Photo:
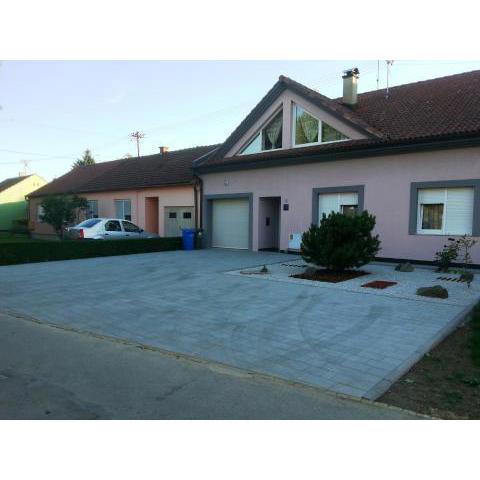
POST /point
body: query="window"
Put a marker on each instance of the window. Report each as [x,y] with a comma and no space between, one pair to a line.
[130,227]
[445,211]
[123,209]
[345,202]
[92,210]
[113,226]
[187,214]
[40,212]
[89,223]
[269,138]
[172,215]
[349,210]
[309,130]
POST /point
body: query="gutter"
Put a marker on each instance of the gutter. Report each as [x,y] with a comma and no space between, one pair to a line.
[361,152]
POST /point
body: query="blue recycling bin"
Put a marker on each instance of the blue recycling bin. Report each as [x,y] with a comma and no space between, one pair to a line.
[188,238]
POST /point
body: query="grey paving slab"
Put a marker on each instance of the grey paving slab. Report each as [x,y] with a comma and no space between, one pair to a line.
[190,302]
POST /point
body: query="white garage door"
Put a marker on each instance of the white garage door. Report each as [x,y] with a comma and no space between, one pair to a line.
[230,223]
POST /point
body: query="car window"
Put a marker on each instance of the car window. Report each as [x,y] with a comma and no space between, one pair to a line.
[113,226]
[130,227]
[89,223]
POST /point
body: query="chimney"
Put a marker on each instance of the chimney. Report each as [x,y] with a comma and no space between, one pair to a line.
[163,150]
[350,78]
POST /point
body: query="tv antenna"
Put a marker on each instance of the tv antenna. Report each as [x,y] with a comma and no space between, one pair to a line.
[389,64]
[25,167]
[137,136]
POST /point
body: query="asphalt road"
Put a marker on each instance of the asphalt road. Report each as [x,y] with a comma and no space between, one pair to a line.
[51,373]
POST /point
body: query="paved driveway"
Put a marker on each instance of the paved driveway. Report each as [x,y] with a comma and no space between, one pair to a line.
[185,302]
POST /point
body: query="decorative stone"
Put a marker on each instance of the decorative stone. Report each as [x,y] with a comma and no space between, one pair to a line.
[404,267]
[435,292]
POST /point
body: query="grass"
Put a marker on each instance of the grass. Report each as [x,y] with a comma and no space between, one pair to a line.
[30,251]
[475,340]
[446,382]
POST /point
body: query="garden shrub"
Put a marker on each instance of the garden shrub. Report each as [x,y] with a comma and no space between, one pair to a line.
[43,251]
[341,241]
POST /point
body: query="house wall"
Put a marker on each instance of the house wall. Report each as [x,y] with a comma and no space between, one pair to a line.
[387,182]
[174,196]
[12,200]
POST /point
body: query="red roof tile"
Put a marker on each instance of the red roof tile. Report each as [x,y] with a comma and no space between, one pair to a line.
[437,109]
[132,173]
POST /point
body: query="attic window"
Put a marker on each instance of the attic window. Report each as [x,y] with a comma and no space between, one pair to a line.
[269,138]
[309,130]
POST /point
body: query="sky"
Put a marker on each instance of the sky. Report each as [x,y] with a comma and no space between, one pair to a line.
[51,111]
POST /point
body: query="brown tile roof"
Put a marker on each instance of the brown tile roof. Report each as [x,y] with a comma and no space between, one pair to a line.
[131,173]
[10,182]
[431,110]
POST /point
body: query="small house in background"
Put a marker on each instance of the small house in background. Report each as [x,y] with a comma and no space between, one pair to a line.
[13,205]
[158,192]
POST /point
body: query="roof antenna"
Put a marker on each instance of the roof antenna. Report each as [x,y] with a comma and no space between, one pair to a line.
[378,74]
[25,163]
[389,64]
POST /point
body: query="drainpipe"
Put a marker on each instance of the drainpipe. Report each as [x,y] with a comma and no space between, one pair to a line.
[198,188]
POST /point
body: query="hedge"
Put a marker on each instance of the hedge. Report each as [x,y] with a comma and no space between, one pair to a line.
[41,251]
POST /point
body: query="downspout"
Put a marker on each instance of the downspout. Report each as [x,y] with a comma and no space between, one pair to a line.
[198,189]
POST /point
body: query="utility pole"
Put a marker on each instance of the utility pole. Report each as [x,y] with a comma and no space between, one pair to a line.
[137,136]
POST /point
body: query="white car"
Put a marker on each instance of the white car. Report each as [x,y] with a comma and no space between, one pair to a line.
[107,229]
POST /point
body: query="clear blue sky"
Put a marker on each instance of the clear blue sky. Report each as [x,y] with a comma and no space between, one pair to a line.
[50,112]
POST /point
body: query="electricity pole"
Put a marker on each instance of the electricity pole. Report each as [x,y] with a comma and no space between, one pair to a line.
[137,136]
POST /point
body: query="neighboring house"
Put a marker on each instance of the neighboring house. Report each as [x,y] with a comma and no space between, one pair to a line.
[157,192]
[410,156]
[13,205]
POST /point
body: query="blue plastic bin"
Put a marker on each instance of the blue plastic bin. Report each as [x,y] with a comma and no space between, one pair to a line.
[188,238]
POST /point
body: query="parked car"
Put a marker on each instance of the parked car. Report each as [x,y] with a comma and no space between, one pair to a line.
[107,229]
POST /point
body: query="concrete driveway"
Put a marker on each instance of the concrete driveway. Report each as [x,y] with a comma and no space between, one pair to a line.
[185,302]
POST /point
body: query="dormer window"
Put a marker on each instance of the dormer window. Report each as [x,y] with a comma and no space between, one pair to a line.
[269,138]
[309,130]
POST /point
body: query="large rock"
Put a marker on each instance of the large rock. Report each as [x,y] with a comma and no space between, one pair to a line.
[404,267]
[435,292]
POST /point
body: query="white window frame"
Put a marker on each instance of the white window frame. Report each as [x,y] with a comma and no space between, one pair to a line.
[40,211]
[320,123]
[89,211]
[259,131]
[123,200]
[339,204]
[443,230]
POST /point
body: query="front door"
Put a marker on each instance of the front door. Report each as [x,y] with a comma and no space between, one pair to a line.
[177,218]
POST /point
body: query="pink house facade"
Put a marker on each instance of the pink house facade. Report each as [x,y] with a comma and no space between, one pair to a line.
[416,168]
[159,193]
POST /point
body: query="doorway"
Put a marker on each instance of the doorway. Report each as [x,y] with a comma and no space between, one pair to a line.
[151,214]
[269,223]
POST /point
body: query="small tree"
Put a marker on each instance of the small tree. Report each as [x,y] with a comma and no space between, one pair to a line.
[341,241]
[447,255]
[86,159]
[61,210]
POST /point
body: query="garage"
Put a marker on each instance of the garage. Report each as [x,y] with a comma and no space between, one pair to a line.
[230,223]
